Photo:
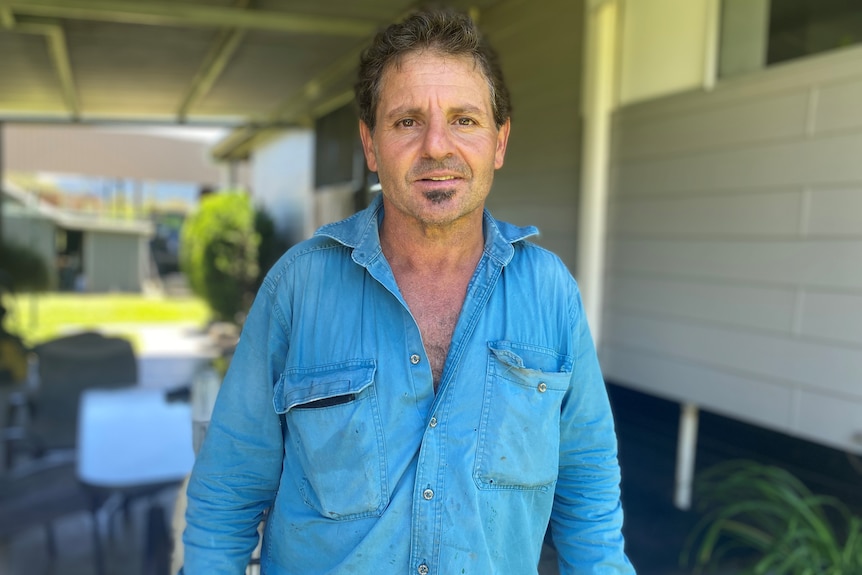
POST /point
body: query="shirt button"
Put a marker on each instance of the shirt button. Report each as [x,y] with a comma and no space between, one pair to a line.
[433,422]
[422,569]
[542,387]
[428,494]
[414,359]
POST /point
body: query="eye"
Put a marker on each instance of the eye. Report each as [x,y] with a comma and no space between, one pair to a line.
[466,122]
[406,123]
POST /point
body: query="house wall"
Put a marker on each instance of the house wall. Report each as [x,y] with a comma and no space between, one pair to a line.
[108,153]
[282,181]
[540,44]
[666,46]
[114,262]
[734,273]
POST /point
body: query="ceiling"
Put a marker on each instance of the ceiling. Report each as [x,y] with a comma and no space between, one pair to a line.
[256,65]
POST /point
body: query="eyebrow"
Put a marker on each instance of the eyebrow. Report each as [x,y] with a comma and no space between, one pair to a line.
[415,111]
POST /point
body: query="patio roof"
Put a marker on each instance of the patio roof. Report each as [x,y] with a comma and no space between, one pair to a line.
[256,65]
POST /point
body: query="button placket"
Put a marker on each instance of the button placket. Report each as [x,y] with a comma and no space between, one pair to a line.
[415,359]
[422,569]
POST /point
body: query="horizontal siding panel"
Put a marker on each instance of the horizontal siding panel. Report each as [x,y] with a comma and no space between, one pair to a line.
[557,150]
[836,211]
[766,214]
[835,316]
[839,107]
[553,215]
[832,160]
[778,116]
[831,420]
[548,189]
[744,398]
[753,307]
[805,363]
[829,264]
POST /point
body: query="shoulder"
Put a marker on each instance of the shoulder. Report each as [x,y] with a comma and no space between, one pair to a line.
[301,258]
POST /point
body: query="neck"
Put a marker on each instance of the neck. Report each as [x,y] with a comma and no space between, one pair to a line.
[432,249]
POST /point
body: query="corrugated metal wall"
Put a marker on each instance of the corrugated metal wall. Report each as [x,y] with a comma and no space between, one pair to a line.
[735,254]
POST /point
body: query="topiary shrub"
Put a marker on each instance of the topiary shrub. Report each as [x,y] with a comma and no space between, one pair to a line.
[219,253]
[22,268]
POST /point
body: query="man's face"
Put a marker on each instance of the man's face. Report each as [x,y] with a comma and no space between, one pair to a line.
[435,146]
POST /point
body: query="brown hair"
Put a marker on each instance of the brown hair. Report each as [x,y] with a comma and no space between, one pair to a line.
[441,30]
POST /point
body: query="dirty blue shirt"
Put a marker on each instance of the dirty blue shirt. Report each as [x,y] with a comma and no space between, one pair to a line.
[328,419]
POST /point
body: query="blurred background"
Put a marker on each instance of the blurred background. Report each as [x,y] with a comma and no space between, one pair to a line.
[696,164]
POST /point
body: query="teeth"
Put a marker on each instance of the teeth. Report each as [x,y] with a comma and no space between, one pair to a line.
[441,178]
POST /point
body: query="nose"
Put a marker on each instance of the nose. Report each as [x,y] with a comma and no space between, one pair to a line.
[437,142]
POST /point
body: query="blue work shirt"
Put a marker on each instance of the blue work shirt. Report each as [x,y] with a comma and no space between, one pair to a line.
[328,418]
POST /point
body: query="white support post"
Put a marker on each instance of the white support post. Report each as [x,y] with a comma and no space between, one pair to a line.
[686,449]
[598,101]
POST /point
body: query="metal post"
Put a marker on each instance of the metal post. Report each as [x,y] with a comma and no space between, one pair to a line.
[686,449]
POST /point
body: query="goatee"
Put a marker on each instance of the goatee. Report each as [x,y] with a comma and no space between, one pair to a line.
[439,196]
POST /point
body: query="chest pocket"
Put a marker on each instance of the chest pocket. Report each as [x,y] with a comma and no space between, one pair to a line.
[333,424]
[519,433]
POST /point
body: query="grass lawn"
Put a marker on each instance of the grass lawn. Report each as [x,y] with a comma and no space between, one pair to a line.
[39,317]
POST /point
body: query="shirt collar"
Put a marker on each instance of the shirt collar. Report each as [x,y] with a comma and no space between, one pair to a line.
[360,232]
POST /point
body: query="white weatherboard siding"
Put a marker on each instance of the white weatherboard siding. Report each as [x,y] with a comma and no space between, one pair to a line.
[540,51]
[734,273]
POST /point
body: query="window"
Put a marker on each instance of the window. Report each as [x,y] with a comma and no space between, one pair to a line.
[760,33]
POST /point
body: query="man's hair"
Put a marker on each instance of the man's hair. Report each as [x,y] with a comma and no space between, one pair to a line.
[443,31]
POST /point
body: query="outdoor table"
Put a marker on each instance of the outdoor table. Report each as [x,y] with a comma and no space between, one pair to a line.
[131,441]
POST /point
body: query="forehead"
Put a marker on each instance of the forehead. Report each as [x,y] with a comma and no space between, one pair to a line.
[420,71]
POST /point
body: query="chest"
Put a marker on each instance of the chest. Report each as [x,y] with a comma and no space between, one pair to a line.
[435,304]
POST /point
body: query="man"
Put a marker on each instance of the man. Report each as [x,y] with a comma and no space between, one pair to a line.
[415,389]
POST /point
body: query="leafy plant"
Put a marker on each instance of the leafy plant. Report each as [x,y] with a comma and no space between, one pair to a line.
[219,253]
[770,514]
[22,268]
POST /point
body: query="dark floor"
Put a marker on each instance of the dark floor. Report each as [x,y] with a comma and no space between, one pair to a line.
[647,428]
[655,531]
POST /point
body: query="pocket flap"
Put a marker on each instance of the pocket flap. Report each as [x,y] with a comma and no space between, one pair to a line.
[527,364]
[302,385]
[531,357]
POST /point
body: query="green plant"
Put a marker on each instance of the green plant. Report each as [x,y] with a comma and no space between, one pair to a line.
[219,253]
[272,246]
[779,525]
[23,268]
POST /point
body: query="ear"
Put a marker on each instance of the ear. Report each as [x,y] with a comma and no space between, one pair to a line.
[368,145]
[502,140]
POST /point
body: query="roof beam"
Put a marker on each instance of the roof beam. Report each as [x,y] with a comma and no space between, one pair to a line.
[182,14]
[55,37]
[299,109]
[7,18]
[219,55]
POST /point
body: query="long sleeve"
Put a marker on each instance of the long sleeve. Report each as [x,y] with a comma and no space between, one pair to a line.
[587,517]
[236,474]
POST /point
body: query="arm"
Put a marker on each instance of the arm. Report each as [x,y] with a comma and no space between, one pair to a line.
[587,518]
[237,472]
